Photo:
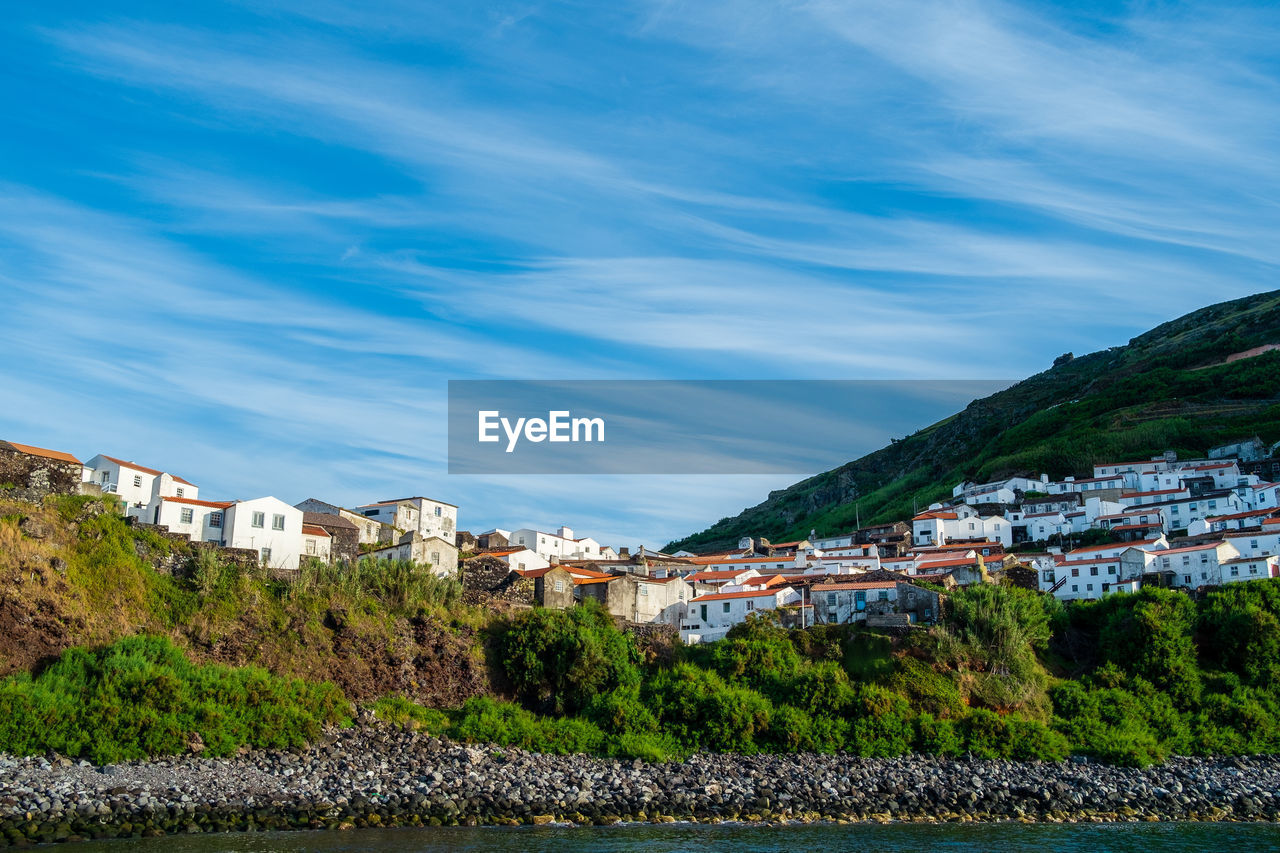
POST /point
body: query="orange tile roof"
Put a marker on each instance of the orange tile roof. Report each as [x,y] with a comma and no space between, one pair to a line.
[750,593]
[124,463]
[31,450]
[958,561]
[830,587]
[720,574]
[1120,545]
[312,530]
[1204,546]
[1253,513]
[194,502]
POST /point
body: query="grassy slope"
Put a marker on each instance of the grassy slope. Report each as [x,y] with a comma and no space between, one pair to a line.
[82,578]
[1130,401]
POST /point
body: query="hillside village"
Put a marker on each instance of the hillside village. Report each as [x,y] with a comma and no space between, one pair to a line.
[1184,524]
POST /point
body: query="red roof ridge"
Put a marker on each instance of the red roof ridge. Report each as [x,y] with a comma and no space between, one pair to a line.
[32,450]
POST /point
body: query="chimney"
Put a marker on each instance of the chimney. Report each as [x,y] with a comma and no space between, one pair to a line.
[565,532]
[624,553]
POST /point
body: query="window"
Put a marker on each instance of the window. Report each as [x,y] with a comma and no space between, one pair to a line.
[370,512]
[726,607]
[1089,587]
[1093,570]
[559,586]
[435,558]
[187,515]
[311,547]
[215,519]
[1186,579]
[266,555]
[831,599]
[1075,587]
[277,522]
[181,492]
[1075,573]
[1111,570]
[1253,570]
[1235,571]
[438,512]
[259,519]
[704,613]
[106,475]
[644,589]
[137,480]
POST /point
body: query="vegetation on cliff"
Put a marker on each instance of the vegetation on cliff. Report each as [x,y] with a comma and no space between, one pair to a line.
[74,573]
[1167,389]
[1129,680]
[1010,673]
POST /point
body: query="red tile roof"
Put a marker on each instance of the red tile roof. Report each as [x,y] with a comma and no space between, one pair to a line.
[31,450]
[750,593]
[312,530]
[194,502]
[124,463]
[833,587]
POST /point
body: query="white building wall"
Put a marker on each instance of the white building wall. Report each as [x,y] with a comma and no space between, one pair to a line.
[269,526]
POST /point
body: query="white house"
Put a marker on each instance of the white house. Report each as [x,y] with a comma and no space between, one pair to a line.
[841,603]
[434,551]
[661,600]
[266,525]
[136,485]
[560,545]
[1261,541]
[1195,566]
[316,544]
[520,559]
[722,577]
[200,521]
[427,516]
[711,616]
[1250,568]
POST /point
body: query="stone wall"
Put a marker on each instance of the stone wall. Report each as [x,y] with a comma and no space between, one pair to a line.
[178,561]
[31,478]
[487,579]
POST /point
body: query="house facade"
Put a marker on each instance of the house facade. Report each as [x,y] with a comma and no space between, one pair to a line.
[710,617]
[434,551]
[136,485]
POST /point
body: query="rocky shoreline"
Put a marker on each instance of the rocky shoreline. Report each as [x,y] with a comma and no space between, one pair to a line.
[374,775]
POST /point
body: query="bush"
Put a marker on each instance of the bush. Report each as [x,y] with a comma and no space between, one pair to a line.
[400,711]
[559,661]
[485,720]
[1148,635]
[937,737]
[141,697]
[702,711]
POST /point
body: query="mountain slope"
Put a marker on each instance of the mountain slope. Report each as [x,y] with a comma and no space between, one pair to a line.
[1168,388]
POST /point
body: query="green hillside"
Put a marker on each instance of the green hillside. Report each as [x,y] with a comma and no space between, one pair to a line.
[1167,389]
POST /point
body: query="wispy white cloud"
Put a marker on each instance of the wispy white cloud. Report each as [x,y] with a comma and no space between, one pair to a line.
[296,226]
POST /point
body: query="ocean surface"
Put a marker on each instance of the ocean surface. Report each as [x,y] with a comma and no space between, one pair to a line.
[669,838]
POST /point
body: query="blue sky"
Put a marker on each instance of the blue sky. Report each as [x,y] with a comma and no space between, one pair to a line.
[250,242]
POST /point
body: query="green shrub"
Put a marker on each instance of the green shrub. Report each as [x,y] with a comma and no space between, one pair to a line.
[560,660]
[702,711]
[937,737]
[485,720]
[141,697]
[400,711]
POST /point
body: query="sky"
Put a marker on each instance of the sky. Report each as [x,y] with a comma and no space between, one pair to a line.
[251,242]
